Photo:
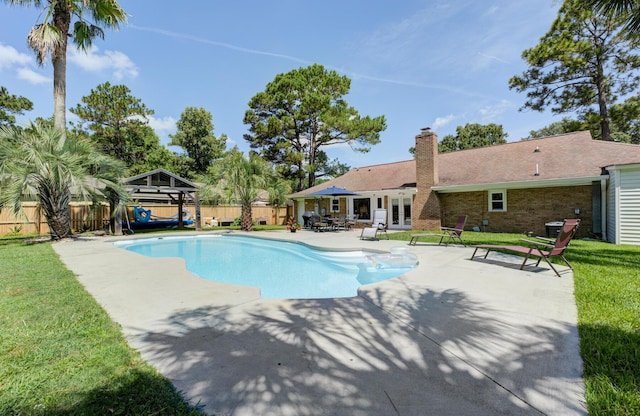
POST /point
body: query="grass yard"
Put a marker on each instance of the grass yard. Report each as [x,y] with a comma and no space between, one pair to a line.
[61,354]
[607,290]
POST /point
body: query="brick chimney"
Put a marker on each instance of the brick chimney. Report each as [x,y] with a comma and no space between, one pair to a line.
[426,207]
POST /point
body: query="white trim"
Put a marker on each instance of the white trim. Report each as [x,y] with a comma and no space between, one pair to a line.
[335,205]
[603,207]
[548,183]
[628,166]
[490,200]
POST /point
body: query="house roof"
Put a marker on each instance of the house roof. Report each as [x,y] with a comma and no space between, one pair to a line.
[565,156]
[372,178]
[556,159]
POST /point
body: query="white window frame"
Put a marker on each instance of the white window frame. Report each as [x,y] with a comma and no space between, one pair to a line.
[335,205]
[503,193]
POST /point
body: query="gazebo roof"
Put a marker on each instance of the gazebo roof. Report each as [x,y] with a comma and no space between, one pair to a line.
[158,184]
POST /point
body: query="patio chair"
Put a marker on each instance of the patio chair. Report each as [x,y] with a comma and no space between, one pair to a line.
[543,249]
[378,225]
[380,222]
[339,223]
[369,233]
[451,234]
[352,220]
[318,223]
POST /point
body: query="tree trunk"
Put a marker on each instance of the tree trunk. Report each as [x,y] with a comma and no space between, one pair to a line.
[60,224]
[198,218]
[246,224]
[61,20]
[602,103]
[56,211]
[301,177]
[604,118]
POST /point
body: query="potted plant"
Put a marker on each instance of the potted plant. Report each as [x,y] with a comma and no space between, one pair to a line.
[293,225]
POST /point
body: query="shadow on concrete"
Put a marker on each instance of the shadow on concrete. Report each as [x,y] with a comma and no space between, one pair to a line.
[428,353]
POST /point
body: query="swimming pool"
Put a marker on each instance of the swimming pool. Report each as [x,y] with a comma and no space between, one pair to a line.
[282,270]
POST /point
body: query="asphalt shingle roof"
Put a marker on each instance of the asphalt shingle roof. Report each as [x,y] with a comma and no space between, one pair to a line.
[565,156]
[372,178]
[572,155]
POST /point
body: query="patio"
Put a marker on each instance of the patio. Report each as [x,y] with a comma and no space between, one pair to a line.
[450,337]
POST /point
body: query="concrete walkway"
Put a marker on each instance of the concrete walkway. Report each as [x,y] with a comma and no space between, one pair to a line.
[451,337]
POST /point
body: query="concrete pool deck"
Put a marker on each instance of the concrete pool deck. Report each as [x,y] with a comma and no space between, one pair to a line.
[450,337]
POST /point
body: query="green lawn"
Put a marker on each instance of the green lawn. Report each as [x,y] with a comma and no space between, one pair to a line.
[61,354]
[59,351]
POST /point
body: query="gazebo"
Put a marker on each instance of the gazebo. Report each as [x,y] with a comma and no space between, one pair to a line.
[162,184]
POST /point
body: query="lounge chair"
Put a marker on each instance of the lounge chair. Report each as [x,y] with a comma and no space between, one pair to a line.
[369,233]
[451,234]
[543,249]
[378,225]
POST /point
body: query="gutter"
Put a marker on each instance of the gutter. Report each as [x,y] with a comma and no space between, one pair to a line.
[545,183]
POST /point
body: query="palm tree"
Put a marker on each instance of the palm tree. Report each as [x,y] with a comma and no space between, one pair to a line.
[40,163]
[50,37]
[242,179]
[628,8]
[278,191]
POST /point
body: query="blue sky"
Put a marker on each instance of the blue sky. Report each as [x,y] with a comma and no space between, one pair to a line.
[439,64]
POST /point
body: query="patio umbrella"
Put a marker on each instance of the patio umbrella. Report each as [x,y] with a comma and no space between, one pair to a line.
[333,191]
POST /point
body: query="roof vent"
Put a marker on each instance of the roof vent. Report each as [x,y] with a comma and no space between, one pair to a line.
[537,150]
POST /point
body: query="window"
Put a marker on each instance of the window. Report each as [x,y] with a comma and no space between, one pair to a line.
[335,205]
[362,207]
[498,201]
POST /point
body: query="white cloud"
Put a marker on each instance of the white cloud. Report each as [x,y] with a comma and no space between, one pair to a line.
[442,121]
[166,124]
[11,59]
[163,127]
[491,112]
[9,56]
[117,62]
[491,10]
[32,76]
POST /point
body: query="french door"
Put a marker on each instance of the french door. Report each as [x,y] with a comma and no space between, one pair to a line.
[400,213]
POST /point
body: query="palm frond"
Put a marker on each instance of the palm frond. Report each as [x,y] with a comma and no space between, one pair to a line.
[44,39]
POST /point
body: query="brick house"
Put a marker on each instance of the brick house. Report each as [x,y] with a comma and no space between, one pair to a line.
[514,187]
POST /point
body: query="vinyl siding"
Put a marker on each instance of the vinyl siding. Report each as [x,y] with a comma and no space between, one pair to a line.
[612,203]
[629,206]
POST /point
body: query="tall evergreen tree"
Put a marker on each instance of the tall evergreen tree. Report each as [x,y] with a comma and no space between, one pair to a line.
[11,105]
[117,121]
[195,136]
[302,112]
[584,61]
[472,135]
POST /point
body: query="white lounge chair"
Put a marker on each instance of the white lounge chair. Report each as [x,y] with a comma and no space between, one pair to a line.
[369,233]
[379,225]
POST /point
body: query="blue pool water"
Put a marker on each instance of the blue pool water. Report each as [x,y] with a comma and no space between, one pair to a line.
[281,270]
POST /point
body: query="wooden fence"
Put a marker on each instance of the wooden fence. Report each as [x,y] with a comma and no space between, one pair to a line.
[85,218]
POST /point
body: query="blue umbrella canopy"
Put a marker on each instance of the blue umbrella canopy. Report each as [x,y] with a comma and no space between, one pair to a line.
[333,191]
